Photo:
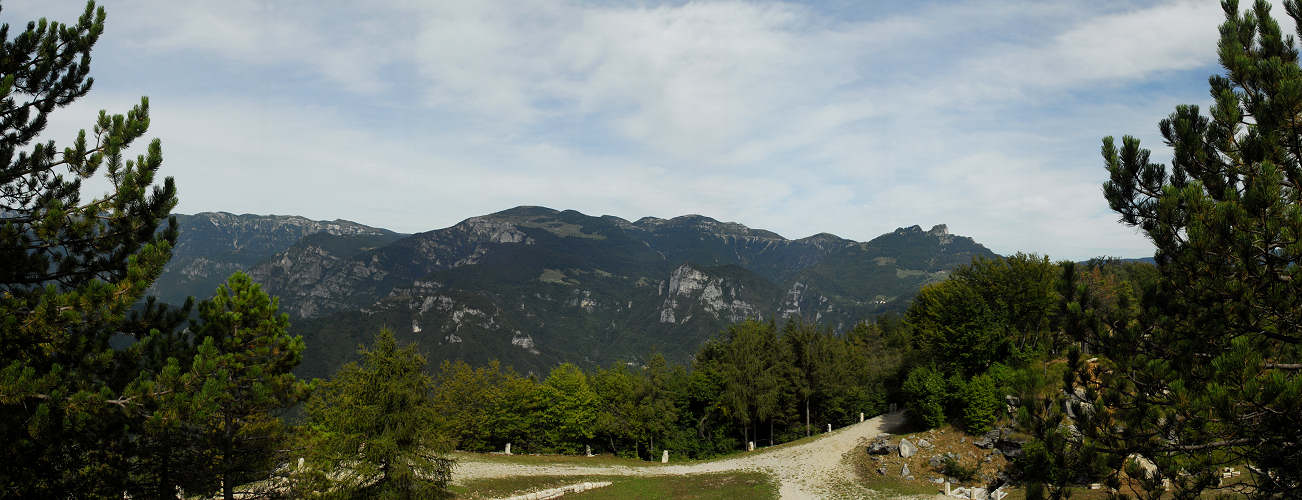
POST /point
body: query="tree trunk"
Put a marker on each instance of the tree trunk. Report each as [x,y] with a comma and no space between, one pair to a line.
[164,476]
[228,449]
[806,416]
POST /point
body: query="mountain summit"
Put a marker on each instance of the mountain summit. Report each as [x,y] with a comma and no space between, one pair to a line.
[533,286]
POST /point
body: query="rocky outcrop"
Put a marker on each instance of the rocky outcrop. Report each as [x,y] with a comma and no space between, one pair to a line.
[690,289]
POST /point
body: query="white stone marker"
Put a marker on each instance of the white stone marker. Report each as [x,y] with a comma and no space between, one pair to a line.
[508,448]
[861,416]
[664,457]
[750,446]
[829,427]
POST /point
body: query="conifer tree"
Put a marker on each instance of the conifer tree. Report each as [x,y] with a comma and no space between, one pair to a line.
[72,267]
[1210,373]
[238,378]
[375,430]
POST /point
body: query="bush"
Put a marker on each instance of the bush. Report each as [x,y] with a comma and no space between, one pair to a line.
[925,394]
[951,467]
[980,404]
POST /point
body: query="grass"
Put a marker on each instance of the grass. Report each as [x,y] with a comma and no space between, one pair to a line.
[724,485]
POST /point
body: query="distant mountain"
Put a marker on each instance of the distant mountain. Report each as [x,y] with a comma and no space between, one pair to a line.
[533,286]
[212,245]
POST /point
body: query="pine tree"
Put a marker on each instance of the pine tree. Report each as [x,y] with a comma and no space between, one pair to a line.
[71,270]
[238,378]
[375,429]
[1211,372]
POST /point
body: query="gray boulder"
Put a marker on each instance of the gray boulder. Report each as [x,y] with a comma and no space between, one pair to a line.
[904,471]
[882,446]
[923,443]
[907,449]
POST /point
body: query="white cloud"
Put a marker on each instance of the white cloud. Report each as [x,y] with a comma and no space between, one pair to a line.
[980,114]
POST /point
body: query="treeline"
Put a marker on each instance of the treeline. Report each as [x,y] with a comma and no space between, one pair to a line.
[757,382]
[963,346]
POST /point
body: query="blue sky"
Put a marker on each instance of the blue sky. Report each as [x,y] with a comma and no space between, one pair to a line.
[798,117]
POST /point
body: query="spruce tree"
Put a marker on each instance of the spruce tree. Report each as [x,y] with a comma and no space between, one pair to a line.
[375,429]
[1210,373]
[72,268]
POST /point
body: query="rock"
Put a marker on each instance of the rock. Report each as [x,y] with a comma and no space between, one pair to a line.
[935,461]
[1010,447]
[923,443]
[937,480]
[907,449]
[904,471]
[882,470]
[1145,465]
[983,443]
[882,446]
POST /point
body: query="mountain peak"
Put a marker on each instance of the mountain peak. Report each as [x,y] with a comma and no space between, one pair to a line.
[524,211]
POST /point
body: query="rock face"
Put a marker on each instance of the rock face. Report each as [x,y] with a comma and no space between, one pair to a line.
[533,286]
[212,245]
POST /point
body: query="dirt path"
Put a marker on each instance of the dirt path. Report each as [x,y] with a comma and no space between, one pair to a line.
[813,469]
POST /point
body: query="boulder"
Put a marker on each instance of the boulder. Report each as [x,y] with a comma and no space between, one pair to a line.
[1146,466]
[904,471]
[1009,446]
[987,440]
[907,449]
[882,446]
[923,443]
[882,470]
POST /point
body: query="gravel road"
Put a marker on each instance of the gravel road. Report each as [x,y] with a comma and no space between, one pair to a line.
[813,469]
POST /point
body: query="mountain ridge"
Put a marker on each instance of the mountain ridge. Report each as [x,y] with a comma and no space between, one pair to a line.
[533,286]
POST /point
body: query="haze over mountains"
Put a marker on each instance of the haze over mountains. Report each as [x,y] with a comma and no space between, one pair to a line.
[534,286]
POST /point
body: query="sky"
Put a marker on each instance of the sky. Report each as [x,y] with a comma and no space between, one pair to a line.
[846,117]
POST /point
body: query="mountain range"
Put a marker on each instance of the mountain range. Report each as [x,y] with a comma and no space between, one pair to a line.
[533,286]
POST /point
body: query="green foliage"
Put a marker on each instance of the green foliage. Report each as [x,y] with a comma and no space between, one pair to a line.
[925,391]
[747,385]
[374,431]
[951,467]
[239,376]
[952,322]
[1202,371]
[569,408]
[69,402]
[981,403]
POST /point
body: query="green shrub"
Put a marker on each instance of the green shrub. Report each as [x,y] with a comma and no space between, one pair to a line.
[951,467]
[925,394]
[980,404]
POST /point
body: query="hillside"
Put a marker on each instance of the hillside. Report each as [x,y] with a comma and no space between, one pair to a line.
[534,286]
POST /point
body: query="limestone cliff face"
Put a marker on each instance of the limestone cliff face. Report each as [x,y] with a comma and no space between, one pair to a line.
[691,291]
[533,286]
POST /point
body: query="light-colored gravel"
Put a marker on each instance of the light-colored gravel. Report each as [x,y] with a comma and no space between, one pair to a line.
[812,469]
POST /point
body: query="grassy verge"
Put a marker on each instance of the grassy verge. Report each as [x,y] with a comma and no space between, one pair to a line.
[725,485]
[595,461]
